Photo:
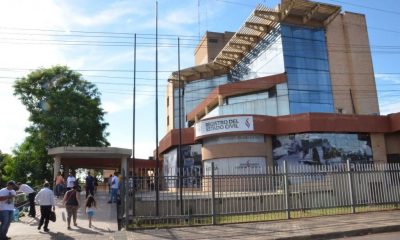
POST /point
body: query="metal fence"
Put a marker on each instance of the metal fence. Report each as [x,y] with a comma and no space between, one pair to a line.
[249,194]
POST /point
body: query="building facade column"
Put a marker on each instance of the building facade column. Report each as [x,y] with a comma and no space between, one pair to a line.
[269,156]
[378,145]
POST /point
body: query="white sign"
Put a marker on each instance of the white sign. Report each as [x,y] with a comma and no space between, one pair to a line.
[224,125]
[236,166]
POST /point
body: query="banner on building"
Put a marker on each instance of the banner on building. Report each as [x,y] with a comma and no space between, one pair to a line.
[224,125]
[322,148]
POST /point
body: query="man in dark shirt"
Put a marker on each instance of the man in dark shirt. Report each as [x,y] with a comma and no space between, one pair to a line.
[89,185]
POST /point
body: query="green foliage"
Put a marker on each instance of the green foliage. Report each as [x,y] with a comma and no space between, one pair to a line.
[64,108]
[4,159]
[64,111]
[31,163]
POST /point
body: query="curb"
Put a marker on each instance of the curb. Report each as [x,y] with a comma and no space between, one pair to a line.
[349,233]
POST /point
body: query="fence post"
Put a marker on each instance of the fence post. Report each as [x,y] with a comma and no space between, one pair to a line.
[286,183]
[213,195]
[351,190]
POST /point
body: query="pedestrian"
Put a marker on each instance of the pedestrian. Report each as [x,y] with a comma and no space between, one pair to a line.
[114,188]
[25,188]
[89,185]
[70,181]
[89,208]
[7,196]
[71,201]
[45,198]
[59,181]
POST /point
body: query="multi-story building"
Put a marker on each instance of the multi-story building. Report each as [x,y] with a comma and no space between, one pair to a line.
[294,83]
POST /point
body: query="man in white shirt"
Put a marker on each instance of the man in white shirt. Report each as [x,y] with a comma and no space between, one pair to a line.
[70,181]
[114,188]
[7,196]
[45,198]
[25,188]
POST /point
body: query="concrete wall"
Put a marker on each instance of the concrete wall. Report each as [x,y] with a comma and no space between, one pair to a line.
[243,149]
[393,143]
[378,147]
[350,65]
[269,153]
[207,50]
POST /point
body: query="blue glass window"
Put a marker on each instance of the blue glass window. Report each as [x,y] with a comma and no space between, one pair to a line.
[196,91]
[307,68]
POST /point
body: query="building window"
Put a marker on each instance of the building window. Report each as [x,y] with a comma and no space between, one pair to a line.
[167,120]
[307,68]
[168,101]
[213,40]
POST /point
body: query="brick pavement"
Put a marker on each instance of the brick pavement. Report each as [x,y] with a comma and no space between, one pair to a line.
[105,227]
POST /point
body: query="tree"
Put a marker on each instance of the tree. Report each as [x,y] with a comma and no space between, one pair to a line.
[30,163]
[4,159]
[64,111]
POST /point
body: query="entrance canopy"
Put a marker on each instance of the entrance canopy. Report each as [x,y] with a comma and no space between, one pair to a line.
[90,157]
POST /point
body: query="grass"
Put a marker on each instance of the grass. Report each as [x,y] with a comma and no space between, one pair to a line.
[181,221]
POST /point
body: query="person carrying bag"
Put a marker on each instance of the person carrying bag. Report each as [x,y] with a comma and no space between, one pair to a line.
[45,198]
[71,201]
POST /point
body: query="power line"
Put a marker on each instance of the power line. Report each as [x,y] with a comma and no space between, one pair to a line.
[367,7]
[300,88]
[337,1]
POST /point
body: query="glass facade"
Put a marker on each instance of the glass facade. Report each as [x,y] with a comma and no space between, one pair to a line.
[301,52]
[176,109]
[196,91]
[307,68]
[265,59]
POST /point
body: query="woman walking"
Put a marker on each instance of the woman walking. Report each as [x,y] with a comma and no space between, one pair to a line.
[90,205]
[71,201]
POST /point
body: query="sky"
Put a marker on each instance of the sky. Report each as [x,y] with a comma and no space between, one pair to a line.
[96,39]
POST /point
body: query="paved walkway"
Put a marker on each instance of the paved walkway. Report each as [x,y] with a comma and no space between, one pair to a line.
[104,223]
[105,227]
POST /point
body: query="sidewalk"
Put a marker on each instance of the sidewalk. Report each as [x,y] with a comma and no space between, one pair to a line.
[104,223]
[327,227]
[306,228]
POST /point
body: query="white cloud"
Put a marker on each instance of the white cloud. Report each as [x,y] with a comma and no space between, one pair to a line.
[18,54]
[103,17]
[144,94]
[13,121]
[143,149]
[183,16]
[31,14]
[107,16]
[390,108]
[388,77]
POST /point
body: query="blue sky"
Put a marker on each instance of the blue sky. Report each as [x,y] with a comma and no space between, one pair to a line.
[96,39]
